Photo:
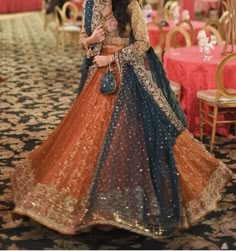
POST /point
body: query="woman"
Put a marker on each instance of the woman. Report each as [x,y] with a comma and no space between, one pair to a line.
[125,159]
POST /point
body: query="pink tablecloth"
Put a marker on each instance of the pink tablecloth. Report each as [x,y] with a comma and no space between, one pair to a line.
[186,66]
[13,6]
[154,33]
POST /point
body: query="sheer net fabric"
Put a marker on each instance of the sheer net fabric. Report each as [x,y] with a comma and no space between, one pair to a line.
[102,166]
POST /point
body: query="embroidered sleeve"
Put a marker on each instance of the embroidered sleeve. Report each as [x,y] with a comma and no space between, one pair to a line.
[83,37]
[140,34]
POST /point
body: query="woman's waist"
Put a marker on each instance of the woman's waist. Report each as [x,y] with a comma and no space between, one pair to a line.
[110,49]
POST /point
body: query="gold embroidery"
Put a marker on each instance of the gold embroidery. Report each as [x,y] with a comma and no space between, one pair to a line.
[59,210]
[199,178]
[158,96]
[207,200]
[139,29]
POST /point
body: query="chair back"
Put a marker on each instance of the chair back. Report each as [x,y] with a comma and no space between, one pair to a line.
[171,36]
[159,47]
[59,16]
[191,29]
[79,4]
[217,25]
[225,6]
[221,89]
[161,32]
[71,12]
[168,8]
[215,32]
[224,18]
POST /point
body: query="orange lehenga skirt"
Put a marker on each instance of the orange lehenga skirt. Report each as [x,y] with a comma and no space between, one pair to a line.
[54,185]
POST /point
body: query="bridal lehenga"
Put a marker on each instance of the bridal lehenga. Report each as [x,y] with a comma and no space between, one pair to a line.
[125,160]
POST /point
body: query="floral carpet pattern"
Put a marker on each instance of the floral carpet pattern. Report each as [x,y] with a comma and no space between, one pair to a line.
[39,85]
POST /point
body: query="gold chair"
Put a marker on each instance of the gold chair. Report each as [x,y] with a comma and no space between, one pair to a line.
[141,2]
[213,31]
[71,13]
[159,47]
[217,101]
[189,24]
[64,28]
[168,8]
[224,18]
[171,41]
[225,11]
[225,6]
[173,6]
[176,88]
[47,17]
[215,23]
[225,22]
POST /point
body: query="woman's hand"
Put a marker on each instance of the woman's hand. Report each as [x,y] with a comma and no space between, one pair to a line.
[101,61]
[97,37]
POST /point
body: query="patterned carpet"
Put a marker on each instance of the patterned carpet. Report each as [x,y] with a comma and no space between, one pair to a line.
[40,85]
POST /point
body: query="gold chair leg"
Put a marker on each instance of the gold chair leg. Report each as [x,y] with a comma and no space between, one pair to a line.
[213,133]
[45,24]
[235,126]
[63,41]
[57,40]
[74,39]
[201,121]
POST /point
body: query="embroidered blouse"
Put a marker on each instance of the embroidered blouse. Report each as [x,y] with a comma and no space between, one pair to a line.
[137,26]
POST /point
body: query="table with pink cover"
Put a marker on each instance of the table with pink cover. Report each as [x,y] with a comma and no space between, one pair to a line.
[14,6]
[154,33]
[187,66]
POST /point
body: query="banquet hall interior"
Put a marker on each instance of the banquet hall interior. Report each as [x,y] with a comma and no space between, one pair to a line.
[40,63]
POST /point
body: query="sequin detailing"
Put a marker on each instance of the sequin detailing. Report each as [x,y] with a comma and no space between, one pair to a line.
[128,55]
[124,159]
[64,212]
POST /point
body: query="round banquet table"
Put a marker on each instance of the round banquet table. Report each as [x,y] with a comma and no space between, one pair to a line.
[154,33]
[14,6]
[187,66]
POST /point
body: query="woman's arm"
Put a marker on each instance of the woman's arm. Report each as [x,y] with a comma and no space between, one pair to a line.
[87,41]
[140,35]
[138,47]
